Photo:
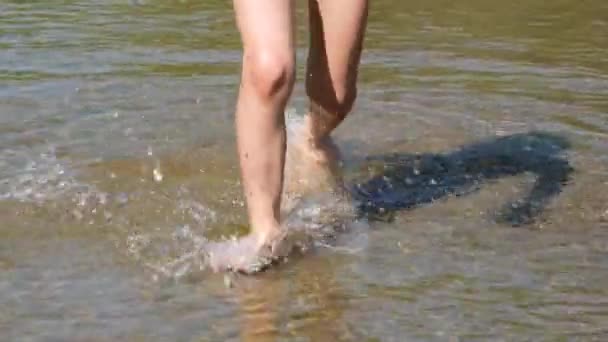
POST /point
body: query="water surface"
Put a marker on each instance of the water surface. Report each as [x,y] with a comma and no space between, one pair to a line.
[477,148]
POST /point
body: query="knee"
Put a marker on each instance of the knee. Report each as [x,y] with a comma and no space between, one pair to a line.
[270,74]
[345,96]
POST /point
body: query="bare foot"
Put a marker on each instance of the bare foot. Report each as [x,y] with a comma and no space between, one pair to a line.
[311,167]
[249,254]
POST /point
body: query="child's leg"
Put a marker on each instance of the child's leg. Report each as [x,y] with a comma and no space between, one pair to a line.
[336,36]
[336,40]
[266,28]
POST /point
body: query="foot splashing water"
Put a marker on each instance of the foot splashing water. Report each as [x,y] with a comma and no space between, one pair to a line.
[166,225]
[315,208]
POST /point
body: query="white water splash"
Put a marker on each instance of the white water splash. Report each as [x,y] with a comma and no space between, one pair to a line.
[40,178]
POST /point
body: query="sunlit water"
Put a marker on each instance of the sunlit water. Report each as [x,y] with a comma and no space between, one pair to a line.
[476,155]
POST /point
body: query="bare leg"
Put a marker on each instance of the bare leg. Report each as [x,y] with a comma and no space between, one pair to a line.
[266,28]
[336,39]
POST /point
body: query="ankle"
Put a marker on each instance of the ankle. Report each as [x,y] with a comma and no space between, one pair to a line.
[312,130]
[310,140]
[264,227]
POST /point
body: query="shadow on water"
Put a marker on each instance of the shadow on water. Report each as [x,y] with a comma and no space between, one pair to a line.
[407,181]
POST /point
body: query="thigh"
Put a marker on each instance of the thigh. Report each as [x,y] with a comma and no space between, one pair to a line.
[266,27]
[336,38]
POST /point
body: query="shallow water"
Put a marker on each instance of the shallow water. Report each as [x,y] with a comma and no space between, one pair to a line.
[477,150]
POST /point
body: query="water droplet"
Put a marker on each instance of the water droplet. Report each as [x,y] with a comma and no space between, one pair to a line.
[228,281]
[158,176]
[82,200]
[102,198]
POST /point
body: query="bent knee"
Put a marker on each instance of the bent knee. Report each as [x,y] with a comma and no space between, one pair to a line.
[270,73]
[335,97]
[345,98]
